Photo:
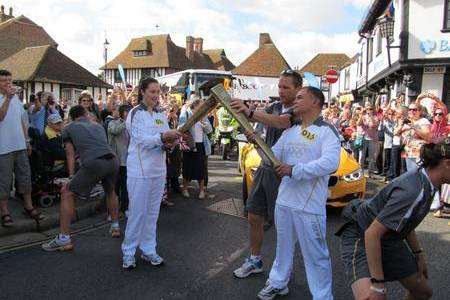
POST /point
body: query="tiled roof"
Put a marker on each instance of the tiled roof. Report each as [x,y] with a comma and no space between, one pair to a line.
[350,61]
[322,62]
[219,59]
[19,33]
[47,64]
[266,61]
[163,53]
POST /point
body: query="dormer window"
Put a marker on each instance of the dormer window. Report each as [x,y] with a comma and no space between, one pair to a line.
[141,53]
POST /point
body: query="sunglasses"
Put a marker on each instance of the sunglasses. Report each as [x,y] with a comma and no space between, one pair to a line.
[291,73]
[439,114]
[413,109]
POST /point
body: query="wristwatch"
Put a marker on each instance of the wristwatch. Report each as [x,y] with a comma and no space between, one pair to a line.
[375,280]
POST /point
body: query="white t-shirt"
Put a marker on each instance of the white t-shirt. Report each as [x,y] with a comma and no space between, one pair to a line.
[198,133]
[11,132]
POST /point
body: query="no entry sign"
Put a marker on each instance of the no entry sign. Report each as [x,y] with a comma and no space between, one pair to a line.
[331,76]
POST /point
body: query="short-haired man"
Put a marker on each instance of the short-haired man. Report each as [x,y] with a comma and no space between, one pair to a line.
[98,162]
[261,201]
[309,152]
[14,150]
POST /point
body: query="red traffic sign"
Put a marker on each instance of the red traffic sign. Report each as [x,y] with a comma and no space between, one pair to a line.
[332,76]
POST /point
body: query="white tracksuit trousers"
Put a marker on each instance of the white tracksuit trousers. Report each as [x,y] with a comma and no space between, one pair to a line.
[310,231]
[145,196]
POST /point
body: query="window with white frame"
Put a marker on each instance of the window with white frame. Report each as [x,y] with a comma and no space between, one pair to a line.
[347,79]
[379,42]
[370,49]
[447,16]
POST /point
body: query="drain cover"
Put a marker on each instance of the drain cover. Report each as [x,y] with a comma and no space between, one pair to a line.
[230,206]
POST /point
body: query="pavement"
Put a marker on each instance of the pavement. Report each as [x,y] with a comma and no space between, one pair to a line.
[202,242]
[23,224]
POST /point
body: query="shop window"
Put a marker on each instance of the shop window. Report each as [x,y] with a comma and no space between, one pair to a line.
[446,27]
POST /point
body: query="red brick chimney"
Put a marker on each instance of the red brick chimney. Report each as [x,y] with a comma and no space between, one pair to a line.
[190,47]
[264,38]
[198,45]
[4,17]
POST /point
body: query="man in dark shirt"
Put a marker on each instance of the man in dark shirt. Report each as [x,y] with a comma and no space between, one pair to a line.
[261,201]
[98,163]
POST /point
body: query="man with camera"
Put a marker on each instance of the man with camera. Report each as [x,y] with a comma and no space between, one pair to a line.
[44,106]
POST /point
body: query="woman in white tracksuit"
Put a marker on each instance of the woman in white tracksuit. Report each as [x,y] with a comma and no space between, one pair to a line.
[146,173]
[309,153]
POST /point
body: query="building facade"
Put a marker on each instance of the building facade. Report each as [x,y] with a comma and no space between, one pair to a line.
[32,56]
[415,59]
[157,55]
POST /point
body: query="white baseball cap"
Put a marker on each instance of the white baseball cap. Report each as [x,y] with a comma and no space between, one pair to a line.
[54,119]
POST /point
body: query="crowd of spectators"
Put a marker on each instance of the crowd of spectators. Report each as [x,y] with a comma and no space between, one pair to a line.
[386,137]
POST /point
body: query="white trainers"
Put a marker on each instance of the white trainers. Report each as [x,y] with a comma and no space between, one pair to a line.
[202,195]
[269,292]
[128,262]
[154,259]
[185,193]
[115,232]
[57,245]
[248,268]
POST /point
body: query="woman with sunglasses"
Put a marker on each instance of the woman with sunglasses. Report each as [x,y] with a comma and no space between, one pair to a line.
[378,240]
[87,102]
[440,130]
[419,133]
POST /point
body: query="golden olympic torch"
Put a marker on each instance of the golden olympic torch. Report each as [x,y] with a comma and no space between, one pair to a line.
[221,95]
[200,112]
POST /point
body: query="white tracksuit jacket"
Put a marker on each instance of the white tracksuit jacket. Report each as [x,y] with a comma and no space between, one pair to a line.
[300,210]
[314,153]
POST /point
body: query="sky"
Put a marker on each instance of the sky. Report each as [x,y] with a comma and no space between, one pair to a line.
[299,28]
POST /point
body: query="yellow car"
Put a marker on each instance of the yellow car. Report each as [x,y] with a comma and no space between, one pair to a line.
[346,184]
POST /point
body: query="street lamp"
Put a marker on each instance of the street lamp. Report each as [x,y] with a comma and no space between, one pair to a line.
[386,25]
[105,51]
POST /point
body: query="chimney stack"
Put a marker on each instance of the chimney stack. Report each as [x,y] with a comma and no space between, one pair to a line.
[4,17]
[198,45]
[190,47]
[264,39]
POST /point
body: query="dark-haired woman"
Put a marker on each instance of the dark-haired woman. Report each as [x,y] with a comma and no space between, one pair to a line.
[146,173]
[378,241]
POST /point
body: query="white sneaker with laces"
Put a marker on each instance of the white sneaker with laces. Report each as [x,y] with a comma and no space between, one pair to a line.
[202,195]
[154,259]
[129,262]
[185,193]
[248,268]
[269,292]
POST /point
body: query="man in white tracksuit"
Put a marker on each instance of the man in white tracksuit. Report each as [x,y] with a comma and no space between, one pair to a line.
[309,152]
[146,173]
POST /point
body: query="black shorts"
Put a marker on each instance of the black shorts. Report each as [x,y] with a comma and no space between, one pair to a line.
[264,192]
[398,260]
